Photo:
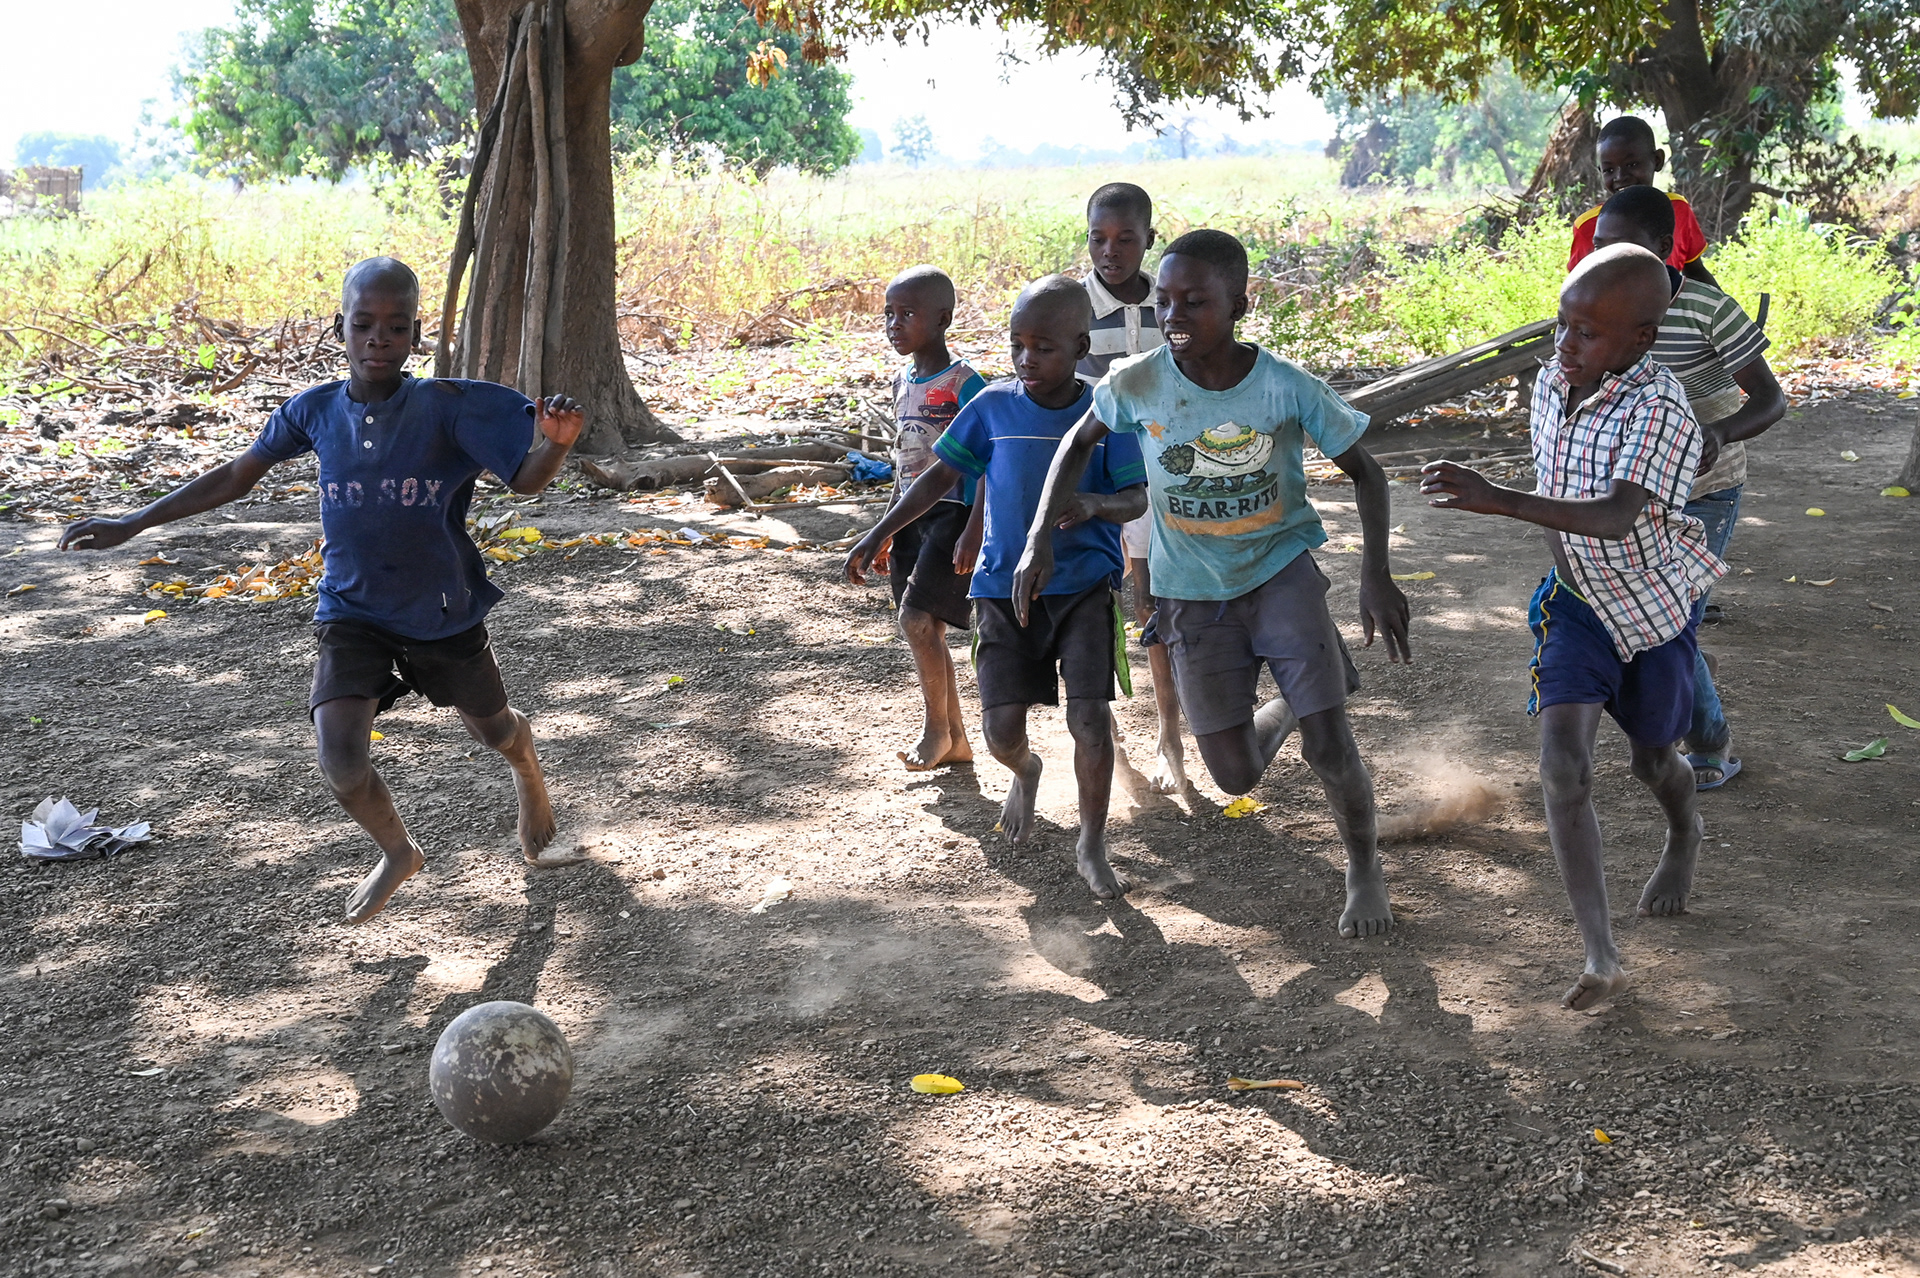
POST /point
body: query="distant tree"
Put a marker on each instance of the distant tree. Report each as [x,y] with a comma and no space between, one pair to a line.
[913,140]
[872,151]
[1420,138]
[321,86]
[96,153]
[711,80]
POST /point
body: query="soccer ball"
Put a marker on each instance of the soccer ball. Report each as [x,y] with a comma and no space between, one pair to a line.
[501,1072]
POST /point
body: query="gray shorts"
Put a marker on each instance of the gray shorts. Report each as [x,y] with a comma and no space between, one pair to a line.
[1217,647]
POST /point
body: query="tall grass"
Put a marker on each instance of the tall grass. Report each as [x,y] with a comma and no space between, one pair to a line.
[1345,277]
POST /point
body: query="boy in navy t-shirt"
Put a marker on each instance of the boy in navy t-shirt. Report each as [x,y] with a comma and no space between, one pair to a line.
[404,589]
[1004,437]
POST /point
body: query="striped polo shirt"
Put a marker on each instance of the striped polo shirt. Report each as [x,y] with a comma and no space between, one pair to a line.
[1705,339]
[1119,328]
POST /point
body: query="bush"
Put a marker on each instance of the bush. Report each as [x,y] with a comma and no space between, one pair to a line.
[1825,283]
[1465,293]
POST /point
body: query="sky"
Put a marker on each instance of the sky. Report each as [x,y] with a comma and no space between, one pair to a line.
[98,84]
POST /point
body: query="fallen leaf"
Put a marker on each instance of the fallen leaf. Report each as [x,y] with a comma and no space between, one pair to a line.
[157,559]
[146,1073]
[1880,606]
[777,891]
[1828,582]
[1904,721]
[1413,576]
[1794,580]
[1602,1137]
[1238,1084]
[1849,455]
[1871,750]
[376,736]
[1815,511]
[1242,806]
[157,614]
[23,588]
[672,680]
[1894,490]
[936,1084]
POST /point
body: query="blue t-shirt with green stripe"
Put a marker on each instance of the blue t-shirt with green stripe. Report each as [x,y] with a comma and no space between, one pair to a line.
[1007,441]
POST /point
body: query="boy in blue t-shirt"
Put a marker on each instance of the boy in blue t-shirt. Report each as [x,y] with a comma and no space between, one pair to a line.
[1003,438]
[1235,585]
[404,587]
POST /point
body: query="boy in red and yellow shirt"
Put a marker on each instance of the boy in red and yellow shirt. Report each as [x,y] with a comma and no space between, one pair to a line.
[1628,157]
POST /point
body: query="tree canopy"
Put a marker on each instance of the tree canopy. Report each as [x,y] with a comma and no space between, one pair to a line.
[322,86]
[712,81]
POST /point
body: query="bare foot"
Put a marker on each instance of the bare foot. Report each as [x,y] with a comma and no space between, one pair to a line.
[936,749]
[1666,892]
[1596,987]
[1094,869]
[1170,770]
[382,881]
[1367,912]
[1016,815]
[537,825]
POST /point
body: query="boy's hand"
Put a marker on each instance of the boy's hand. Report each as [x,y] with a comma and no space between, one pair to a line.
[1032,576]
[1383,605]
[560,419]
[1080,508]
[1710,447]
[866,556]
[1452,486]
[96,534]
[966,548]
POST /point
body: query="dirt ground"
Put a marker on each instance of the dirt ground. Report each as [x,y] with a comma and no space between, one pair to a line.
[202,1069]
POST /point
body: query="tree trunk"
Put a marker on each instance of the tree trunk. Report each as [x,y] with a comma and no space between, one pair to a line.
[540,307]
[1909,477]
[1567,179]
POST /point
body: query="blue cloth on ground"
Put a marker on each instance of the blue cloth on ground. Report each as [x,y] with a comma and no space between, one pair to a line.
[869,470]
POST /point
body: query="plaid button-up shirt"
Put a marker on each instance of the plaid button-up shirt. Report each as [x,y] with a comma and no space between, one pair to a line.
[1635,427]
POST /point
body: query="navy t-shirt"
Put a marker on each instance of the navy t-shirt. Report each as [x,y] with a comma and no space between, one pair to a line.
[1004,436]
[395,481]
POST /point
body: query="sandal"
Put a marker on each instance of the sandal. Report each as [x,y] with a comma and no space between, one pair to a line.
[1728,768]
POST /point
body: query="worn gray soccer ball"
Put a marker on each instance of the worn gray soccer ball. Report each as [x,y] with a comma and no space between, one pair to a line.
[501,1072]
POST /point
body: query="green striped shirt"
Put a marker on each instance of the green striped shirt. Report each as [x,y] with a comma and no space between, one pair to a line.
[1705,339]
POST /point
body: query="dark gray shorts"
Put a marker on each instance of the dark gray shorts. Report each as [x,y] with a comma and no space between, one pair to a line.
[1217,647]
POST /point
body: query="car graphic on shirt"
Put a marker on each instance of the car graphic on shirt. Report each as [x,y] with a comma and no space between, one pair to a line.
[1224,460]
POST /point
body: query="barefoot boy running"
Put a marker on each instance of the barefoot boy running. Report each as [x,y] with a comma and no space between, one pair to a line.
[927,572]
[1119,233]
[404,585]
[1236,585]
[1615,448]
[1004,438]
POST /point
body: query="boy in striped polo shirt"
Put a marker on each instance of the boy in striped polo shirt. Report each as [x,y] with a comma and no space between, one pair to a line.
[1616,448]
[1718,354]
[1119,233]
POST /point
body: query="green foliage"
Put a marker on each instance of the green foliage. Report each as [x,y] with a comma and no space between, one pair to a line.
[1422,139]
[1825,283]
[98,154]
[690,95]
[322,86]
[1466,292]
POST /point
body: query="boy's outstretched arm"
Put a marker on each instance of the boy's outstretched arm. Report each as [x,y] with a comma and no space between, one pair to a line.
[557,422]
[1452,486]
[227,482]
[1063,483]
[1383,605]
[935,482]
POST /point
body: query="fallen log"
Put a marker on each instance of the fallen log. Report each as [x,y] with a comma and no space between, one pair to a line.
[755,488]
[626,476]
[1430,381]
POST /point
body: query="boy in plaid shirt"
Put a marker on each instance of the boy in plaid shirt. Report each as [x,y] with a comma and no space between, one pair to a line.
[1615,447]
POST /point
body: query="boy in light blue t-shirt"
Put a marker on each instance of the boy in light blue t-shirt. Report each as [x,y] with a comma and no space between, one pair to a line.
[1223,425]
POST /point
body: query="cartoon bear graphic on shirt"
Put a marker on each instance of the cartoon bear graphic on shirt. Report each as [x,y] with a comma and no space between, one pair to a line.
[1224,461]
